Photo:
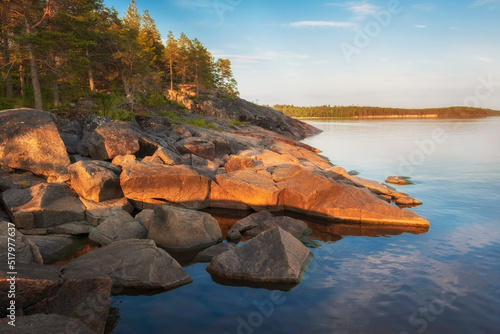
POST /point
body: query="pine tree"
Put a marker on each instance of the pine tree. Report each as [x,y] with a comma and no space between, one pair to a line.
[224,77]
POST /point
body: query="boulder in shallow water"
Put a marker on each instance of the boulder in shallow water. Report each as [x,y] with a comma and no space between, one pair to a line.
[177,229]
[274,256]
[398,180]
[208,254]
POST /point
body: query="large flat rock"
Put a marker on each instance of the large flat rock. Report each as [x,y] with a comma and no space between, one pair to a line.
[131,264]
[29,140]
[44,323]
[174,184]
[177,229]
[40,289]
[44,205]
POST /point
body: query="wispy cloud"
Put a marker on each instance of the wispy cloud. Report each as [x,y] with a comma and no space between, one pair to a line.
[484,59]
[321,24]
[262,56]
[360,10]
[484,2]
[420,26]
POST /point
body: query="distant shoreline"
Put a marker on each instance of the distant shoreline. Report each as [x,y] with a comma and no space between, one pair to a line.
[379,116]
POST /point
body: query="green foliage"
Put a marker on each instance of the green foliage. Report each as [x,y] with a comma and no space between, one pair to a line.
[154,100]
[171,115]
[236,123]
[201,123]
[82,48]
[357,111]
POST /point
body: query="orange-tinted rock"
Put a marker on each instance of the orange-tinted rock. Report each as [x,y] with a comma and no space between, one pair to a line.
[97,181]
[43,205]
[251,188]
[112,139]
[175,184]
[29,140]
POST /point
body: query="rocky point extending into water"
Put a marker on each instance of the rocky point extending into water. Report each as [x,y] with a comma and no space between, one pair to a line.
[135,189]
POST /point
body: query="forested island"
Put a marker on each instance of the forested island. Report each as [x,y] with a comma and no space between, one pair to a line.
[368,112]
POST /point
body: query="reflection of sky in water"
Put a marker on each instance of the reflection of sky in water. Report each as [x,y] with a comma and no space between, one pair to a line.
[362,284]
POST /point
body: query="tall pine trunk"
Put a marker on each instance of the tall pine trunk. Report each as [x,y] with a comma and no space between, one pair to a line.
[21,78]
[35,79]
[55,83]
[91,76]
[171,74]
[8,74]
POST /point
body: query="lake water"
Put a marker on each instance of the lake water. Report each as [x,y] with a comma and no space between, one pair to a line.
[370,280]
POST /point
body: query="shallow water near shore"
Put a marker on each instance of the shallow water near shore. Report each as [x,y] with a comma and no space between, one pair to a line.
[368,279]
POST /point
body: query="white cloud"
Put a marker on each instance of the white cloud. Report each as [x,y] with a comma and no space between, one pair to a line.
[321,24]
[262,56]
[360,10]
[484,2]
[484,59]
[420,26]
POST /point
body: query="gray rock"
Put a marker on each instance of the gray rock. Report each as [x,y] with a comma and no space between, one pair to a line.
[44,205]
[197,146]
[208,254]
[10,180]
[118,226]
[167,156]
[51,246]
[29,140]
[72,228]
[293,226]
[44,323]
[40,289]
[247,223]
[26,251]
[177,229]
[97,181]
[133,264]
[96,213]
[274,256]
[112,139]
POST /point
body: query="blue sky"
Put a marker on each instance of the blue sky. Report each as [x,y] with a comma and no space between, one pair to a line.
[381,53]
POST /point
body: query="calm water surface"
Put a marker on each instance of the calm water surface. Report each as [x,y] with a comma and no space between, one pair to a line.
[372,280]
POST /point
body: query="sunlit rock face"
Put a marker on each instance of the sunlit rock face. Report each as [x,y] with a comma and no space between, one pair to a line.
[97,181]
[113,139]
[44,205]
[29,141]
[174,184]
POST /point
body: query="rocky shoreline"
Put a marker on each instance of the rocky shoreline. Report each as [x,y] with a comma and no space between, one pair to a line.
[136,190]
